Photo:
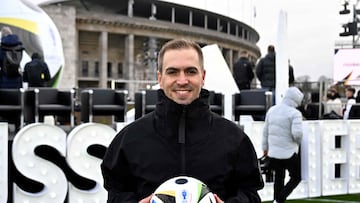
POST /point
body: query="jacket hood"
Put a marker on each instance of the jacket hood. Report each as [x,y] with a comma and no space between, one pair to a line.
[293,97]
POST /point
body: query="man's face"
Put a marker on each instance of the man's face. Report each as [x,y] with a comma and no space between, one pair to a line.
[182,76]
[348,93]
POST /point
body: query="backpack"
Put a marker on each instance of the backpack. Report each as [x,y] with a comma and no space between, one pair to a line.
[12,56]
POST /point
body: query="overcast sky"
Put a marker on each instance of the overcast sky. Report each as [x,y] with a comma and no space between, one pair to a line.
[313,26]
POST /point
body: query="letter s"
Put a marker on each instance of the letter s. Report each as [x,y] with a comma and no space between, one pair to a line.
[36,168]
[78,158]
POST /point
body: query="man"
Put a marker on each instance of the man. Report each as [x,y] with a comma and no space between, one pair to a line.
[10,77]
[282,136]
[36,72]
[181,137]
[243,71]
[265,69]
[349,93]
[291,75]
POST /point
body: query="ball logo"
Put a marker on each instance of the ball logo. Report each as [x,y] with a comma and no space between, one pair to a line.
[182,189]
[185,196]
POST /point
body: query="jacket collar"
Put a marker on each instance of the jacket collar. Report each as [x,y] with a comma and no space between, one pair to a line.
[168,113]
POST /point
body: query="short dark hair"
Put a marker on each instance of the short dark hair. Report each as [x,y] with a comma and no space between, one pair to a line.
[35,56]
[351,89]
[271,49]
[177,44]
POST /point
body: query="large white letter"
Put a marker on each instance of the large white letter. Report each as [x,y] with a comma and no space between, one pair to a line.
[85,165]
[36,168]
[3,161]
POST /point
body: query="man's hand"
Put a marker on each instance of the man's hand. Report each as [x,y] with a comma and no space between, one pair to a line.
[217,198]
[265,152]
[146,199]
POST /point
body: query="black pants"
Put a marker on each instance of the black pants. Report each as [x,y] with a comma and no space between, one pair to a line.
[293,165]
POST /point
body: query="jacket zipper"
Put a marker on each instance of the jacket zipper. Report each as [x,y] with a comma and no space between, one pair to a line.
[181,134]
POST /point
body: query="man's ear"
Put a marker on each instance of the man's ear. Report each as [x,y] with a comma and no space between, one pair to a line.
[159,77]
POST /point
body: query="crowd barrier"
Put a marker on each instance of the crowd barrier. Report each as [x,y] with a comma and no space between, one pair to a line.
[330,155]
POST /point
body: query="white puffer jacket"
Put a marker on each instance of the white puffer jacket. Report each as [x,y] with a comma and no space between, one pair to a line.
[283,131]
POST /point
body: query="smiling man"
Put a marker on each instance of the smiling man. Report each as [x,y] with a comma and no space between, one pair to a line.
[181,137]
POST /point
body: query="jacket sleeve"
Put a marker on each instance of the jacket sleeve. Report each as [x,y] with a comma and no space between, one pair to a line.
[250,71]
[265,134]
[248,178]
[25,73]
[259,70]
[118,180]
[47,72]
[296,127]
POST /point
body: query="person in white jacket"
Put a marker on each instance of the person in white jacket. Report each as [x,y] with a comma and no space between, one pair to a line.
[282,136]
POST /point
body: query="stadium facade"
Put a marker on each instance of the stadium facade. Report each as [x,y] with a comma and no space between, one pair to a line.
[106,41]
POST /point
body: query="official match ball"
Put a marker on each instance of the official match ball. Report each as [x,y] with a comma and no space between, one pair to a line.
[183,189]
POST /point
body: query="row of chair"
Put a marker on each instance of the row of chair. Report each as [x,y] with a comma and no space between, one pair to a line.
[20,107]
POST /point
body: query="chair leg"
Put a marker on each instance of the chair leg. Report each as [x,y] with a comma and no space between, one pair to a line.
[72,120]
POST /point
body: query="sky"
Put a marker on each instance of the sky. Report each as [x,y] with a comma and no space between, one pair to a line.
[312,29]
[313,26]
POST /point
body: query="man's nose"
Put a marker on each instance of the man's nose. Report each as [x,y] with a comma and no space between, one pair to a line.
[182,79]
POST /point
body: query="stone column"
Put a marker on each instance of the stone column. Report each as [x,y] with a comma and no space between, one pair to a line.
[129,64]
[103,48]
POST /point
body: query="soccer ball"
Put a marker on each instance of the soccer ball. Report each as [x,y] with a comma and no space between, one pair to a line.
[183,189]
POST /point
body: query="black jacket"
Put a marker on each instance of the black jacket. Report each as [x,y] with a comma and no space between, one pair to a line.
[151,150]
[36,73]
[243,73]
[265,70]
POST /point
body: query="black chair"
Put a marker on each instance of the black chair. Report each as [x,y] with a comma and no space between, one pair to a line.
[43,101]
[354,111]
[216,102]
[254,102]
[11,107]
[103,102]
[312,111]
[145,102]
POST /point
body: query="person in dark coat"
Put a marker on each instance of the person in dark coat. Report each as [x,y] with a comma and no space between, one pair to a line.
[36,72]
[265,69]
[181,137]
[9,39]
[243,71]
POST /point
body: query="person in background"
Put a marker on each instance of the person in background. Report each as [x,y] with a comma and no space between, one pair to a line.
[36,72]
[265,69]
[181,137]
[8,39]
[291,75]
[357,98]
[332,104]
[349,93]
[282,136]
[243,71]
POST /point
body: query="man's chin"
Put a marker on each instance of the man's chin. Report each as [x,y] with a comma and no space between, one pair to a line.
[182,101]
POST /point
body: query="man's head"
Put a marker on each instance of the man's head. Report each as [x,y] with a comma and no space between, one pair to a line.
[5,31]
[271,49]
[244,53]
[349,92]
[35,56]
[181,71]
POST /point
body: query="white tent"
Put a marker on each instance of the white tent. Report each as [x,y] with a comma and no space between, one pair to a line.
[219,77]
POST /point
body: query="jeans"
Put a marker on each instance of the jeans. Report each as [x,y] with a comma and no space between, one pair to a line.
[293,165]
